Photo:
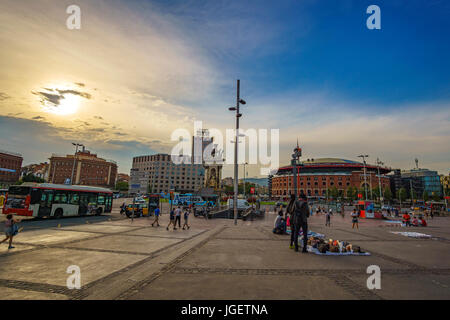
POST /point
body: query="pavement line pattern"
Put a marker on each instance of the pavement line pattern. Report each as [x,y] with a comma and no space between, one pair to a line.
[169,267]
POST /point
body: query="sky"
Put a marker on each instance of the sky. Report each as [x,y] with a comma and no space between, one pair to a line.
[138,70]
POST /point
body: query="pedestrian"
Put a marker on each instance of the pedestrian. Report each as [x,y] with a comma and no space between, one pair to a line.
[11,229]
[178,217]
[156,217]
[186,216]
[299,213]
[407,219]
[172,220]
[328,218]
[355,219]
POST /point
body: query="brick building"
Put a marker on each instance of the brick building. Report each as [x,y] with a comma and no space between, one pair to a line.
[10,164]
[89,170]
[317,176]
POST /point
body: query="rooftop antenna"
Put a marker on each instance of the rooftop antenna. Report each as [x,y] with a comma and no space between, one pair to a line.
[417,163]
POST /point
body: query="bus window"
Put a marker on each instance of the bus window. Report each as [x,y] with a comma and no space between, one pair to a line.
[74,198]
[93,199]
[17,196]
[108,203]
[101,199]
[60,197]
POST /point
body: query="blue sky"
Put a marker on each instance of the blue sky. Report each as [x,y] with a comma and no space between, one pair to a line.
[138,70]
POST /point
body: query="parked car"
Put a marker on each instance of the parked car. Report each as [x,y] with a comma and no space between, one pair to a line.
[140,209]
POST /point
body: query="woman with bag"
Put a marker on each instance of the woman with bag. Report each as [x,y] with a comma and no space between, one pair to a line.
[11,229]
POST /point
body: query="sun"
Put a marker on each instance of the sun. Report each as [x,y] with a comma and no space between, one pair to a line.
[68,104]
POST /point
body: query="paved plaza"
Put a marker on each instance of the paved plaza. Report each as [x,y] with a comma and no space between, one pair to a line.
[124,259]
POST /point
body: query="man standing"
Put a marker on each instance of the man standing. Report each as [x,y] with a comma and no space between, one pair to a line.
[186,216]
[178,217]
[299,213]
[156,218]
[328,218]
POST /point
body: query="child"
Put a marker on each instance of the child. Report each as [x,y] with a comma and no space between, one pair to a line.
[355,219]
[406,219]
[10,230]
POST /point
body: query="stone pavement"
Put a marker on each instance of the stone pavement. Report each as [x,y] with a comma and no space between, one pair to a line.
[121,259]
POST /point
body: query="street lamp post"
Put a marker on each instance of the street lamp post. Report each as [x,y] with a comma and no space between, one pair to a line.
[245,163]
[295,157]
[365,178]
[379,163]
[74,159]
[238,115]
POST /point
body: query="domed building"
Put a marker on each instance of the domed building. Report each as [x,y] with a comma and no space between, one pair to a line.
[318,175]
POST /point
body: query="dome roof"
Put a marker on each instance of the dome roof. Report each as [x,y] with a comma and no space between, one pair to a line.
[330,160]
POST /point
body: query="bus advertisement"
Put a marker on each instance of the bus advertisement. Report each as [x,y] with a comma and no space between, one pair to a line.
[54,200]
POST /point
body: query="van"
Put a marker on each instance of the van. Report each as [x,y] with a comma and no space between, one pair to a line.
[242,204]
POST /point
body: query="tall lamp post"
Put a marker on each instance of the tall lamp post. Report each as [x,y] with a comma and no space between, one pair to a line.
[294,162]
[379,163]
[245,163]
[239,101]
[365,179]
[74,159]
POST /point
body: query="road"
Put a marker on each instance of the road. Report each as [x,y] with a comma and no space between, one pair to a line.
[124,259]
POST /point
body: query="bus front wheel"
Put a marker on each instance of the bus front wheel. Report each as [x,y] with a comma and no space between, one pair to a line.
[58,213]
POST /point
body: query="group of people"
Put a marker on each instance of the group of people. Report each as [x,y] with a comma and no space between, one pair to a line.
[411,220]
[296,216]
[175,217]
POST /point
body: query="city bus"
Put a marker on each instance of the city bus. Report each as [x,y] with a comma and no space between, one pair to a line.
[55,200]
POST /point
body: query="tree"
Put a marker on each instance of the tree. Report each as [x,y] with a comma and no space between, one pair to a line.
[350,193]
[436,196]
[31,178]
[425,196]
[122,186]
[387,194]
[401,194]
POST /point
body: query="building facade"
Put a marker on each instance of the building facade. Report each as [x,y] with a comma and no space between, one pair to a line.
[88,169]
[316,176]
[157,173]
[123,177]
[38,170]
[10,164]
[422,180]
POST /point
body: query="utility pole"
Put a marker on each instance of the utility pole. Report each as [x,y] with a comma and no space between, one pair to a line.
[365,178]
[236,173]
[244,177]
[411,190]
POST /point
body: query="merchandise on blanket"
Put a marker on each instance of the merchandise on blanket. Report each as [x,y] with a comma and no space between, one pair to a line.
[329,253]
[413,234]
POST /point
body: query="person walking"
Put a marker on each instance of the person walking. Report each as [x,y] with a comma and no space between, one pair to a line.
[172,220]
[156,212]
[11,229]
[186,216]
[177,217]
[355,219]
[328,218]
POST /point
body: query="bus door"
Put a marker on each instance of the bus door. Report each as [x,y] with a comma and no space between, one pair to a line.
[84,203]
[45,205]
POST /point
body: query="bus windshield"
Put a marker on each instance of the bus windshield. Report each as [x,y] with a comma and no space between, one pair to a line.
[16,197]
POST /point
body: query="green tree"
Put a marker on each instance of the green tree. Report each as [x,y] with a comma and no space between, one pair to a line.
[122,186]
[350,193]
[31,178]
[387,194]
[401,194]
[425,196]
[436,196]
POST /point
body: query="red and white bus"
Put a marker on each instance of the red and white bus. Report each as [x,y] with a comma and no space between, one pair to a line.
[55,200]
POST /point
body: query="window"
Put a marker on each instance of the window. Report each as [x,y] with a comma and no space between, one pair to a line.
[74,197]
[60,197]
[101,199]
